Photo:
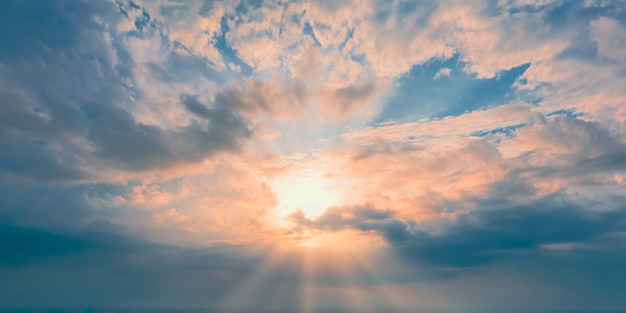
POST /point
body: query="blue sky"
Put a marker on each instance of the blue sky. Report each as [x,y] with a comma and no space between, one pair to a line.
[313,156]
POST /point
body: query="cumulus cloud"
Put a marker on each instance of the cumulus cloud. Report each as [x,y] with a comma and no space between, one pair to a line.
[492,235]
[94,122]
[337,218]
[422,182]
[609,36]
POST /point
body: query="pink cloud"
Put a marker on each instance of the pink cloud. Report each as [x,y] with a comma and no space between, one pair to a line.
[169,216]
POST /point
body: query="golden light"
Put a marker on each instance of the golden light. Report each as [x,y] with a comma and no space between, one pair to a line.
[308,190]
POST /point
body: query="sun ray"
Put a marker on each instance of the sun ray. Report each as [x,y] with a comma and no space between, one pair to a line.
[272,283]
[340,273]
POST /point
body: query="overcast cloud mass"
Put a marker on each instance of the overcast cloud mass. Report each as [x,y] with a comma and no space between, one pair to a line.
[313,156]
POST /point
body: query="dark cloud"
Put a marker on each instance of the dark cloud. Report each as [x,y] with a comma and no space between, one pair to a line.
[498,232]
[49,24]
[289,98]
[66,96]
[66,105]
[492,236]
[604,163]
[565,253]
[225,129]
[255,96]
[576,148]
[23,245]
[139,146]
[55,45]
[115,135]
[34,159]
[52,205]
[181,68]
[363,217]
[95,266]
[355,94]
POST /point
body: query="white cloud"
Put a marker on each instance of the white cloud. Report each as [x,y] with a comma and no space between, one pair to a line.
[610,37]
[443,72]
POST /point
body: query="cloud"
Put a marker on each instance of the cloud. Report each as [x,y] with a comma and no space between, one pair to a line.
[444,71]
[72,127]
[363,217]
[549,241]
[101,267]
[474,154]
[517,233]
[610,38]
[80,139]
[23,245]
[171,215]
[437,178]
[23,203]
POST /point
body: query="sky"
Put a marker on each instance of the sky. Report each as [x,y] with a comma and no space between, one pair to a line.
[313,156]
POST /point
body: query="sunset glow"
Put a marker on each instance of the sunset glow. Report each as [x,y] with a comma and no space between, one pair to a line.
[316,156]
[308,191]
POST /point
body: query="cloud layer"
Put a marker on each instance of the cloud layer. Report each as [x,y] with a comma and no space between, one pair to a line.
[353,155]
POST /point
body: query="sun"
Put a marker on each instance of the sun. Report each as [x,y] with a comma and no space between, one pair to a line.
[309,190]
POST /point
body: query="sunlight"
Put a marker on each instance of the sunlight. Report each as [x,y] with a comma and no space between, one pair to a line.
[312,243]
[332,276]
[308,190]
[280,269]
[317,277]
